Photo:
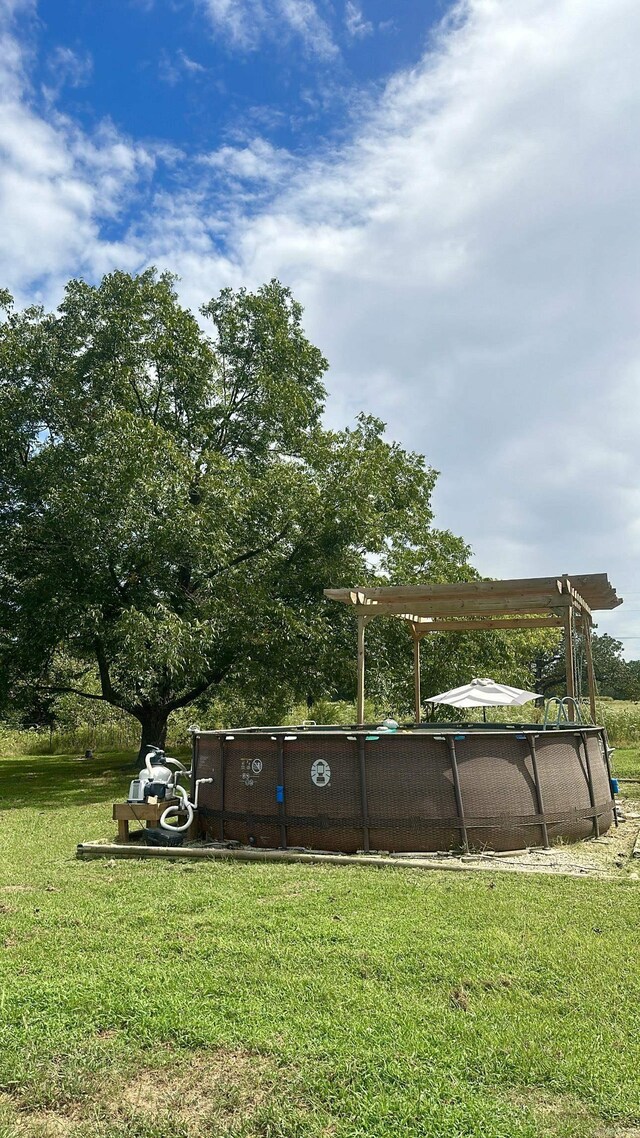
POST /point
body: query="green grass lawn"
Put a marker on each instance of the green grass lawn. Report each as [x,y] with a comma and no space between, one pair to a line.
[173,1000]
[625,762]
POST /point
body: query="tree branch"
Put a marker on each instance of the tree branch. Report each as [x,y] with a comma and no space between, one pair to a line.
[201,688]
[252,552]
[121,589]
[78,691]
[108,692]
[134,387]
[157,406]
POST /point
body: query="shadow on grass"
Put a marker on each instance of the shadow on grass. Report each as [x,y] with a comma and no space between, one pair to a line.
[49,781]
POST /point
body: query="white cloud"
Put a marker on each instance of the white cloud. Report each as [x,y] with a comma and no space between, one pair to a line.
[174,68]
[257,161]
[245,23]
[191,65]
[69,67]
[468,264]
[56,183]
[357,26]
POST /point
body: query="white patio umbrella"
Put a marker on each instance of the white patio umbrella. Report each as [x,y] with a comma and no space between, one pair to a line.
[484,693]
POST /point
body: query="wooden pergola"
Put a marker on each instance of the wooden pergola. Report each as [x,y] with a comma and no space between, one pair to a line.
[534,602]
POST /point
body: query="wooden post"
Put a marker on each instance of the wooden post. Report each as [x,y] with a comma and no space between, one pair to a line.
[362,620]
[591,675]
[416,672]
[568,648]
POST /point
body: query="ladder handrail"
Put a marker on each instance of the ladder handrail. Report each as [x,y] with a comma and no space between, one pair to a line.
[562,709]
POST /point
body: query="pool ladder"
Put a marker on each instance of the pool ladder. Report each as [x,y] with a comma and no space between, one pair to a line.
[562,711]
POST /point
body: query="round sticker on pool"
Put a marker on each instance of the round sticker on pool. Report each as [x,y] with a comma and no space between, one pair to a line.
[321,773]
[256,766]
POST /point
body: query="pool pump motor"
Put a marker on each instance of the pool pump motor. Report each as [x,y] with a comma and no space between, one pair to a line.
[159,781]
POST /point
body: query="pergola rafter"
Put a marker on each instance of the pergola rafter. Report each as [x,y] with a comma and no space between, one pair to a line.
[532,602]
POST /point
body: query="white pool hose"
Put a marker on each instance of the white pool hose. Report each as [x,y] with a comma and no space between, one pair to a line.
[186,805]
[171,810]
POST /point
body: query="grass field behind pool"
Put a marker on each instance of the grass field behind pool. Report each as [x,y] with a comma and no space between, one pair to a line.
[625,763]
[295,1001]
[620,717]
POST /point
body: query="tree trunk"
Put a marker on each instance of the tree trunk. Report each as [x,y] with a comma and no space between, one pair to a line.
[153,721]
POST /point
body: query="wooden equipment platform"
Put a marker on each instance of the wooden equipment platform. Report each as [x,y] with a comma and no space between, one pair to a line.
[149,812]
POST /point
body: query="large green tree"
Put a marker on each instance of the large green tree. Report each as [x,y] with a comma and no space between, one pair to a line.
[171,506]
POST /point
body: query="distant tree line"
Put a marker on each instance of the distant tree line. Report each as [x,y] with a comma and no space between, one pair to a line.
[616,678]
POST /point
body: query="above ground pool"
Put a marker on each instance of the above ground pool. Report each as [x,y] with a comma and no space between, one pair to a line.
[427,788]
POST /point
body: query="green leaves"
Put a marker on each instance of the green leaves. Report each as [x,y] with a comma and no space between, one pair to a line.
[270,392]
[172,508]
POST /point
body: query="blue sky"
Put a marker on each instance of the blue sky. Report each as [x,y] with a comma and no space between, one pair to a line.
[449,189]
[203,74]
[178,72]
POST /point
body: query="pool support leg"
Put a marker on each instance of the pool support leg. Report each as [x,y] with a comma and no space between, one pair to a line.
[605,745]
[592,799]
[282,808]
[363,794]
[536,777]
[458,793]
[221,789]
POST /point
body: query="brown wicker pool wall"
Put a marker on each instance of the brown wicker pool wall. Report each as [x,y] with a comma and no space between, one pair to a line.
[415,790]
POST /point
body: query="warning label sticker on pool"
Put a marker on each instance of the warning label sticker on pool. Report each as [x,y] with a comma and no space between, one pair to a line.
[321,773]
[249,770]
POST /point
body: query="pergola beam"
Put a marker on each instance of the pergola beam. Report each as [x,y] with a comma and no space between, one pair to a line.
[536,603]
[526,603]
[423,628]
[591,590]
[461,589]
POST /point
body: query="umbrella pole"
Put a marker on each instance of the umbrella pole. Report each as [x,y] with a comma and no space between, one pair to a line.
[484,715]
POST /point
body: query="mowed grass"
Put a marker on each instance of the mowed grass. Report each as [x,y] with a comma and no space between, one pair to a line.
[172,1000]
[625,762]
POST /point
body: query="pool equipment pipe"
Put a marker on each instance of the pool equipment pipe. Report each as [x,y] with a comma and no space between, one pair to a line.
[190,807]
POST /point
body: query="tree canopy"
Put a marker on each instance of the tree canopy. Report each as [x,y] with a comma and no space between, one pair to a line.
[171,505]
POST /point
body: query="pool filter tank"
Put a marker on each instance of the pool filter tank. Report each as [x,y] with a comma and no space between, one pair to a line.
[159,781]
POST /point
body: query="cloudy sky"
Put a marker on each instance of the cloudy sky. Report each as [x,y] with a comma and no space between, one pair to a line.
[451,189]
